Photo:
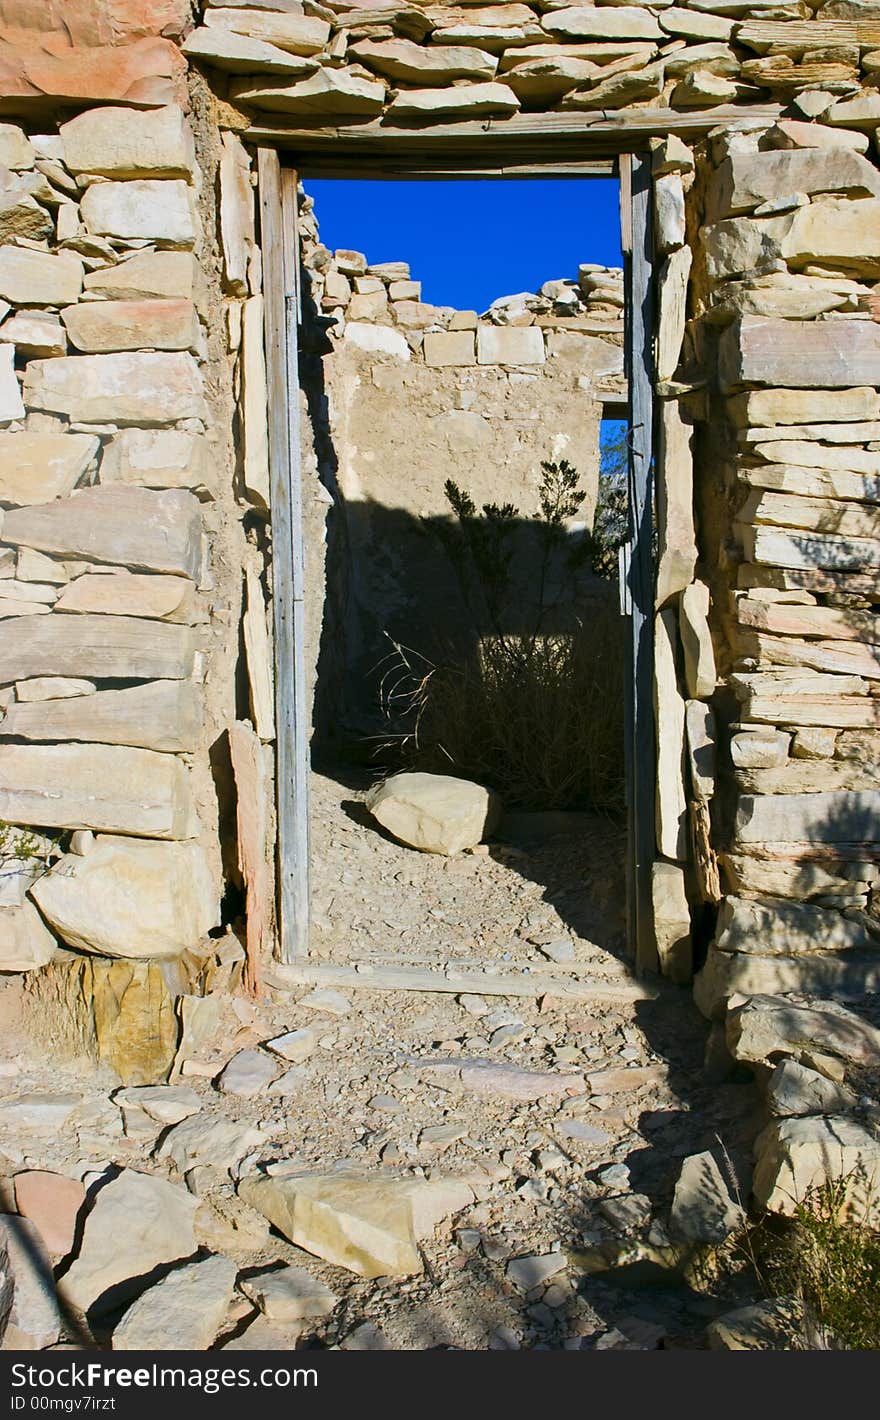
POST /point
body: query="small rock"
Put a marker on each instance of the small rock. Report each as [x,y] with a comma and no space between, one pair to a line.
[793,1089]
[505,1034]
[614,1082]
[763,1326]
[532,1270]
[581,1133]
[289,1294]
[366,1337]
[290,1083]
[474,1005]
[166,1104]
[228,1225]
[561,950]
[208,1139]
[468,1239]
[628,1213]
[385,1103]
[247,1074]
[333,1002]
[296,1045]
[615,1176]
[39,1111]
[503,1338]
[264,1335]
[441,1134]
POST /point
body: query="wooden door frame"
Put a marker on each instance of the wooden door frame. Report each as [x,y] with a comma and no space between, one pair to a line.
[472,151]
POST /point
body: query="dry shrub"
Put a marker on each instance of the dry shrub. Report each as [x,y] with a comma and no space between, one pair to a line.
[529,696]
[540,719]
[831,1264]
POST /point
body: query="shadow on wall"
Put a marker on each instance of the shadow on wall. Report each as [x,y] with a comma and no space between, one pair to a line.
[468,641]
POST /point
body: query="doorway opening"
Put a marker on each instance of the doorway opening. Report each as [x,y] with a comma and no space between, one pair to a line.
[465,401]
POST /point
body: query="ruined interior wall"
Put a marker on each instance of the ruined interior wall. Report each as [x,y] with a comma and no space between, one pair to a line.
[415,395]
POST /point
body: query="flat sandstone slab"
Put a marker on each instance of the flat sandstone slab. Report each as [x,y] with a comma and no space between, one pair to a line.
[106,787]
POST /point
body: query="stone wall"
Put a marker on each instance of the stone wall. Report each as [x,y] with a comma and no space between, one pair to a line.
[411,395]
[122,548]
[136,545]
[105,590]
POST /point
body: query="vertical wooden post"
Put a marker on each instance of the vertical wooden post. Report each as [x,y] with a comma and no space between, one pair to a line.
[635,193]
[280,282]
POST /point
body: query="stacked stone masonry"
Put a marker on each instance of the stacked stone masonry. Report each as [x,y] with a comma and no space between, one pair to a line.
[125,503]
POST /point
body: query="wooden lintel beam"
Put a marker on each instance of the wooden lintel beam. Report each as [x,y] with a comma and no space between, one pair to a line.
[601,134]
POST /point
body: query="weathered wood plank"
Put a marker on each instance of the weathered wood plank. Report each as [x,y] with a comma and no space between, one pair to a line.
[252,767]
[283,407]
[290,977]
[299,943]
[590,134]
[636,197]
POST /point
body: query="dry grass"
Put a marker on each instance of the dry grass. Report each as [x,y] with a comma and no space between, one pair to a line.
[539,719]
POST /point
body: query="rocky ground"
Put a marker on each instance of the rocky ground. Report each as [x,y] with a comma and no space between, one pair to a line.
[543,1137]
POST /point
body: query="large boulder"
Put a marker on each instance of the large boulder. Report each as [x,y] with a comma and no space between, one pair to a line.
[183,1312]
[360,1222]
[130,898]
[137,1223]
[121,1013]
[774,1325]
[121,143]
[795,1156]
[434,812]
[766,1028]
[702,1209]
[34,1320]
[52,1202]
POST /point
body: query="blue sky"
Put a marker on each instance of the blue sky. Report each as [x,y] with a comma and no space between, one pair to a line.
[470,241]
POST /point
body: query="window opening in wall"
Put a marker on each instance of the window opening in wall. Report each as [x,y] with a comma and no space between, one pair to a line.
[461,357]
